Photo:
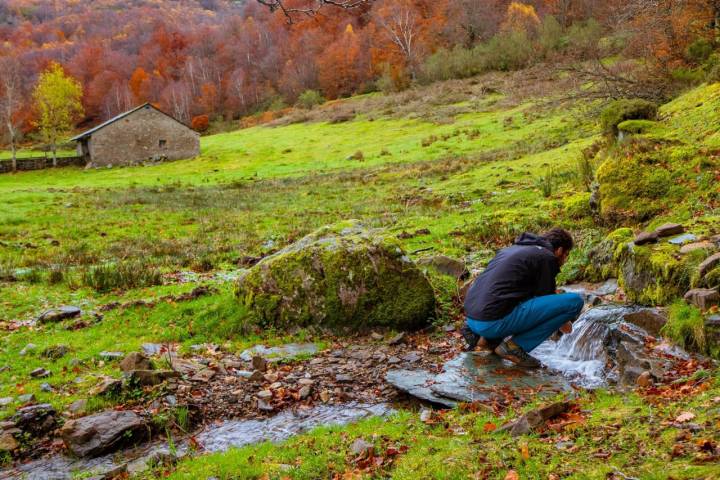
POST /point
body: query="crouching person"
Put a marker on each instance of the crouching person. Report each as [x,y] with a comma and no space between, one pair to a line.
[512,307]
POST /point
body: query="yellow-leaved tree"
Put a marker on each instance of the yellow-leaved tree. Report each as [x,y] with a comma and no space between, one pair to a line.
[58,102]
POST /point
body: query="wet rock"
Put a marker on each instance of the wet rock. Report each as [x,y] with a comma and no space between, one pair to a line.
[152,377]
[644,380]
[36,420]
[534,418]
[397,339]
[59,314]
[683,239]
[8,442]
[708,264]
[259,363]
[703,298]
[669,229]
[40,373]
[417,383]
[345,278]
[610,287]
[304,392]
[102,432]
[643,238]
[135,361]
[445,265]
[107,386]
[649,319]
[56,351]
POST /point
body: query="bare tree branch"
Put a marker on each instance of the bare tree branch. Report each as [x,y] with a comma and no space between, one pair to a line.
[313,6]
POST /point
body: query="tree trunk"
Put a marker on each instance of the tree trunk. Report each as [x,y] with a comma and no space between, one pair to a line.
[54,153]
[14,153]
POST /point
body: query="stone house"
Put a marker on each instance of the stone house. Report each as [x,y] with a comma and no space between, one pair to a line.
[142,134]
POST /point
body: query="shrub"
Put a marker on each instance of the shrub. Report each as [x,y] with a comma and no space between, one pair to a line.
[200,123]
[626,109]
[121,276]
[583,38]
[550,36]
[456,63]
[699,51]
[508,51]
[309,99]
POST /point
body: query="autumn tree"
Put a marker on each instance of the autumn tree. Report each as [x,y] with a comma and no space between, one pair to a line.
[521,17]
[342,67]
[58,102]
[11,100]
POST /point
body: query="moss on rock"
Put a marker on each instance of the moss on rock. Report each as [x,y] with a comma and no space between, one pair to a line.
[341,277]
[603,258]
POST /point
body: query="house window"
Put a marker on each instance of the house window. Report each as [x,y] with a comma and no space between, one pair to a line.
[162,143]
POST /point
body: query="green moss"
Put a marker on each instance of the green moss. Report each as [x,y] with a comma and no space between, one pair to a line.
[340,277]
[626,109]
[603,259]
[686,326]
[637,126]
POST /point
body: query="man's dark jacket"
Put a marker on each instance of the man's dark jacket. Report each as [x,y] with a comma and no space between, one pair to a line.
[522,271]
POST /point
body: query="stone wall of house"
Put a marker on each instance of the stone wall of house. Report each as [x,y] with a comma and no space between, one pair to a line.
[38,163]
[144,135]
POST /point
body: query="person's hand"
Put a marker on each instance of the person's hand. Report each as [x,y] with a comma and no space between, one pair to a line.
[566,328]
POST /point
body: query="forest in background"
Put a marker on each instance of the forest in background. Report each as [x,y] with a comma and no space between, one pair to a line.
[208,60]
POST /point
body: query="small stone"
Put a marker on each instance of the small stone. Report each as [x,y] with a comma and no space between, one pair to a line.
[445,265]
[397,339]
[306,381]
[135,361]
[151,349]
[709,264]
[204,375]
[45,387]
[107,386]
[259,363]
[256,376]
[425,415]
[691,247]
[78,406]
[35,420]
[110,356]
[271,377]
[275,386]
[643,238]
[343,378]
[264,406]
[361,447]
[703,298]
[7,443]
[411,357]
[376,336]
[325,396]
[669,229]
[152,377]
[27,349]
[394,360]
[40,373]
[683,239]
[449,328]
[644,380]
[5,401]
[304,392]
[58,314]
[264,394]
[171,400]
[26,398]
[55,352]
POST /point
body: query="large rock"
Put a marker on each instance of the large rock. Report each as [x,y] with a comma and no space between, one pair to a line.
[649,319]
[36,420]
[135,361]
[103,432]
[708,264]
[703,298]
[446,266]
[58,314]
[669,229]
[339,277]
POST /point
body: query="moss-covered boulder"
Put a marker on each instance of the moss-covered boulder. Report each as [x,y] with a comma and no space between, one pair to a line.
[603,259]
[342,277]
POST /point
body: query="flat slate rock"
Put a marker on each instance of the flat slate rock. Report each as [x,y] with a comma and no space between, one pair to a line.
[683,239]
[669,229]
[417,383]
[478,376]
[58,314]
[643,238]
[274,354]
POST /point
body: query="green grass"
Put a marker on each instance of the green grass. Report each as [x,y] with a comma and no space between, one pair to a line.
[27,153]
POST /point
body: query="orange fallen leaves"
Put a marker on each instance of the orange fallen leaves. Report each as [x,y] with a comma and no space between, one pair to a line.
[512,475]
[684,417]
[489,427]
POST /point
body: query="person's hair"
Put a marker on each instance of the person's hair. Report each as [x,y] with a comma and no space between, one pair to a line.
[559,237]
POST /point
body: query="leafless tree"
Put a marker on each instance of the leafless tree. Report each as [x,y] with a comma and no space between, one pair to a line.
[310,7]
[11,95]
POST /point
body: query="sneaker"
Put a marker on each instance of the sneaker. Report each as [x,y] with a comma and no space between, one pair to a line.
[509,350]
[471,339]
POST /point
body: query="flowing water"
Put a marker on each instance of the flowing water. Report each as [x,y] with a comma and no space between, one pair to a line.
[582,355]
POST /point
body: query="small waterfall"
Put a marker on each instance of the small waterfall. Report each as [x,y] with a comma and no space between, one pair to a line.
[582,356]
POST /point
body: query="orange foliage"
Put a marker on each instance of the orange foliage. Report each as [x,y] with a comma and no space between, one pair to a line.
[200,123]
[521,17]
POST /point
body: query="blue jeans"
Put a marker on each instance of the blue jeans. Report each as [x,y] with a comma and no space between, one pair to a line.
[533,321]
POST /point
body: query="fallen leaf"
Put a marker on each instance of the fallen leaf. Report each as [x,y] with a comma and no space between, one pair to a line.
[685,417]
[512,475]
[489,427]
[524,451]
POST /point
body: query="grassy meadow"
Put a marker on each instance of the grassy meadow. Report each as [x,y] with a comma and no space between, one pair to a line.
[474,177]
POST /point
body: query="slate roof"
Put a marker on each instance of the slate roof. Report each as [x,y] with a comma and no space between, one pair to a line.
[87,133]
